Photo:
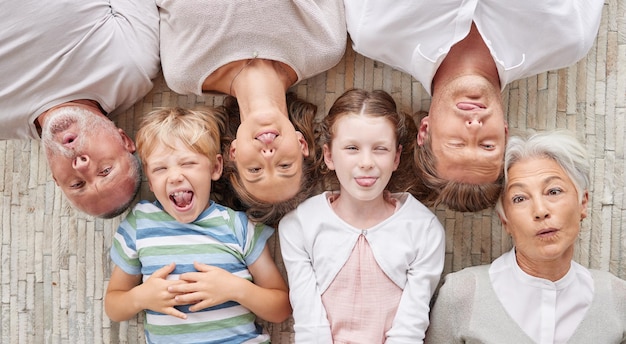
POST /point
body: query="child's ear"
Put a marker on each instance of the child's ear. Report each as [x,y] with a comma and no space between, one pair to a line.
[328,157]
[232,149]
[218,167]
[304,146]
[396,160]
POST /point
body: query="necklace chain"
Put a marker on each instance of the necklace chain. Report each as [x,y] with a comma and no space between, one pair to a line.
[254,56]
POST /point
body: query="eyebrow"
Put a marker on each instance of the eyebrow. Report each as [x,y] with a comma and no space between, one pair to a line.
[282,175]
[544,181]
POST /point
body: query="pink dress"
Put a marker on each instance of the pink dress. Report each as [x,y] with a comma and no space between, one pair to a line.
[361,302]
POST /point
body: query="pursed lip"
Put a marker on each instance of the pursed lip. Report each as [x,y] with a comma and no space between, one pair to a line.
[547,231]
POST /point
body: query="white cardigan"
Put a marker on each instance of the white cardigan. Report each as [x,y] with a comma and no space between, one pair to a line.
[524,37]
[408,246]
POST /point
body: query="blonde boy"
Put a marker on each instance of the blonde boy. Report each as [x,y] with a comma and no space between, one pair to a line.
[200,270]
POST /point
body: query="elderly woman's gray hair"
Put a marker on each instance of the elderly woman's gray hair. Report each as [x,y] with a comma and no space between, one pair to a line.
[559,145]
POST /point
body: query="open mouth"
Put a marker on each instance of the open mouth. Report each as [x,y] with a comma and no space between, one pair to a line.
[182,200]
[69,138]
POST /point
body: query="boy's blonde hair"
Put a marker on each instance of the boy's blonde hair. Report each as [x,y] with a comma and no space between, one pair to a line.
[198,130]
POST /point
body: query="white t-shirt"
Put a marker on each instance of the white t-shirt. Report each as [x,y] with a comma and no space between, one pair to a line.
[198,37]
[56,51]
[525,37]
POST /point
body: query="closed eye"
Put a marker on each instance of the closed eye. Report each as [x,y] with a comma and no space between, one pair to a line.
[78,184]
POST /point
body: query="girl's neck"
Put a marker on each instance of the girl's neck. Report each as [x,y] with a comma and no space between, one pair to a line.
[260,87]
[258,84]
[351,210]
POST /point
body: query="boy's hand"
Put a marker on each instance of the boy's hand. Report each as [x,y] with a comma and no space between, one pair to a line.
[156,296]
[208,287]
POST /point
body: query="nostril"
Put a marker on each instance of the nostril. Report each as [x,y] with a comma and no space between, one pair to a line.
[80,161]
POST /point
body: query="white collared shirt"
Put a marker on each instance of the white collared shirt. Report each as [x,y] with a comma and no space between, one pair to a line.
[524,37]
[548,312]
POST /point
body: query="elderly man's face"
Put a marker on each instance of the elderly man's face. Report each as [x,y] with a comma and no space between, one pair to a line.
[90,158]
[542,210]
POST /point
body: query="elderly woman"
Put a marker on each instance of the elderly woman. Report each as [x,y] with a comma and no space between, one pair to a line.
[535,293]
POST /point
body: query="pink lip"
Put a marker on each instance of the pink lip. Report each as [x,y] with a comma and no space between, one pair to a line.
[547,232]
[69,138]
[470,106]
[365,181]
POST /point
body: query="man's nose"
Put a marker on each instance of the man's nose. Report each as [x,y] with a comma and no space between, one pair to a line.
[81,162]
[474,122]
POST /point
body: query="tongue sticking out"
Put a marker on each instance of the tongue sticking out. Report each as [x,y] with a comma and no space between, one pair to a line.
[468,106]
[182,198]
[266,138]
[366,181]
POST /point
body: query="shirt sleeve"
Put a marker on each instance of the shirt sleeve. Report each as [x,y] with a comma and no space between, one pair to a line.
[256,236]
[411,320]
[310,322]
[124,249]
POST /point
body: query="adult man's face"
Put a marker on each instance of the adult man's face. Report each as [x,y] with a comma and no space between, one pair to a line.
[90,158]
[467,130]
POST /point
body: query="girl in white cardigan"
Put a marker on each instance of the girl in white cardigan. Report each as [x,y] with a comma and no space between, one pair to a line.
[362,262]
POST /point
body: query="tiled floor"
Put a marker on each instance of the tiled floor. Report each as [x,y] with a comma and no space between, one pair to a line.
[54,261]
